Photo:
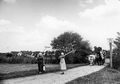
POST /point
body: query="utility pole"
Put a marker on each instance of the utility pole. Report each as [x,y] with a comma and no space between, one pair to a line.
[111,51]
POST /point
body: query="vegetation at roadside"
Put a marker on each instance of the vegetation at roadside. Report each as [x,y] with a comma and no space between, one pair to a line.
[104,76]
[21,70]
[116,53]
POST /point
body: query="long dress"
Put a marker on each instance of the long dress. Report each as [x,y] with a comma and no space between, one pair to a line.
[40,64]
[91,59]
[62,64]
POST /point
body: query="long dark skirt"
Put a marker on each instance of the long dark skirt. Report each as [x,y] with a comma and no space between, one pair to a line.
[99,61]
[40,67]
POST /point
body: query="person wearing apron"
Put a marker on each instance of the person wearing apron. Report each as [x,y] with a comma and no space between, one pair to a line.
[62,63]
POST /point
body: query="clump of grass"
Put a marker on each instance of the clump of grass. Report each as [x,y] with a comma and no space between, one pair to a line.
[104,76]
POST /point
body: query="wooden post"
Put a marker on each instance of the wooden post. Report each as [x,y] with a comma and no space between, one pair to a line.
[110,44]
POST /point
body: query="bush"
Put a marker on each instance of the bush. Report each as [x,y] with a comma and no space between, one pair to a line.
[69,58]
[77,57]
[17,59]
[116,61]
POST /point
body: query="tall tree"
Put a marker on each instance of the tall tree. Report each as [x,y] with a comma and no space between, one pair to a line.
[117,43]
[69,41]
[116,52]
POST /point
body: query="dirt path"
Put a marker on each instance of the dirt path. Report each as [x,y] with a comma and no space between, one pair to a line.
[56,78]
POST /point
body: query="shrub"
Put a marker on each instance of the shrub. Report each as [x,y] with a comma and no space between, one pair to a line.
[116,61]
[17,59]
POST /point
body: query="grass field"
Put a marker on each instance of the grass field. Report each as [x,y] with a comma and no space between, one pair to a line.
[104,76]
[22,70]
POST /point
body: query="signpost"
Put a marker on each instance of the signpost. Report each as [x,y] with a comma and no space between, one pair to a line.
[111,51]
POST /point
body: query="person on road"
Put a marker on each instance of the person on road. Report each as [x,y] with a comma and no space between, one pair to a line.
[40,61]
[91,59]
[62,63]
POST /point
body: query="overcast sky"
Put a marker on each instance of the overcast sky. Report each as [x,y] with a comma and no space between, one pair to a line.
[32,24]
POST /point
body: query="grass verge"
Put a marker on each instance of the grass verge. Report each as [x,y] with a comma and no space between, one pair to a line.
[104,76]
[22,70]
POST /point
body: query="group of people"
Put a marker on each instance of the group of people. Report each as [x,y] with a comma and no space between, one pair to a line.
[41,63]
[97,57]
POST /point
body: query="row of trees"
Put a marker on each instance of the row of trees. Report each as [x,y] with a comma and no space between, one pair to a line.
[13,58]
[65,42]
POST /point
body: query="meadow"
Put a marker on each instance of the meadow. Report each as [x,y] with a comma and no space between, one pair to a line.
[21,70]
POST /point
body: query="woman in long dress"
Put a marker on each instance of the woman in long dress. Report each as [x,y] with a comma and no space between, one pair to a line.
[62,63]
[40,61]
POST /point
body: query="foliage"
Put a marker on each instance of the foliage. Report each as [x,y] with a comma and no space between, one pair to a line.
[66,40]
[104,76]
[97,49]
[72,41]
[25,58]
[116,52]
[9,55]
[17,59]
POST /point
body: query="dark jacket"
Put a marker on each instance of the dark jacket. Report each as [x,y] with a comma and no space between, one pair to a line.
[40,60]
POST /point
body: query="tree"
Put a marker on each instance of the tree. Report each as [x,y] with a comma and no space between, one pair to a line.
[117,43]
[69,41]
[9,55]
[116,52]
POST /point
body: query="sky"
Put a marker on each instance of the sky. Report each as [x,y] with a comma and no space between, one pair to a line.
[33,24]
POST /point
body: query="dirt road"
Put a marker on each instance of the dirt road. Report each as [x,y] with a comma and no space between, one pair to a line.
[55,78]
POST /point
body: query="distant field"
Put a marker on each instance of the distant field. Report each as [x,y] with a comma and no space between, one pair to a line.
[9,68]
[21,70]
